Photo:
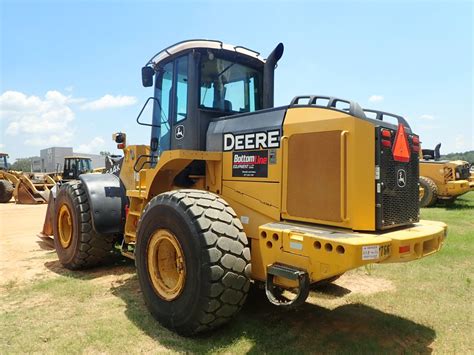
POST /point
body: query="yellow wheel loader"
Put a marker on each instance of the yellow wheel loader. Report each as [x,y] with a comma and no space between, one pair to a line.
[8,179]
[34,188]
[442,180]
[232,191]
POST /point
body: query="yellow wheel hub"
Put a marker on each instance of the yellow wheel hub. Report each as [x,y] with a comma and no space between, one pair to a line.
[65,226]
[421,193]
[166,264]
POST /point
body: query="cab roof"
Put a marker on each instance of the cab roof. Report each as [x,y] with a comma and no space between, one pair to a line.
[201,44]
[77,157]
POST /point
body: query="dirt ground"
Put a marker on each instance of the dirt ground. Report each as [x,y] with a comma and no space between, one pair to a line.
[25,257]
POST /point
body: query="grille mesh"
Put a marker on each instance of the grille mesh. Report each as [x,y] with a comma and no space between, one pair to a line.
[396,205]
[464,172]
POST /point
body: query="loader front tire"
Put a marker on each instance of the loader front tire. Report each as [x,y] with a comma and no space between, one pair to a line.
[6,191]
[429,194]
[192,260]
[77,244]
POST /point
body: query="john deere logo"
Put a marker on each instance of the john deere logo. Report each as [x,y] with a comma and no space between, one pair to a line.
[179,132]
[401,178]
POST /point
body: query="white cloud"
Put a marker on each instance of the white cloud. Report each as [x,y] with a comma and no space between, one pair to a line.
[376,98]
[49,120]
[109,101]
[427,117]
[37,119]
[2,146]
[94,146]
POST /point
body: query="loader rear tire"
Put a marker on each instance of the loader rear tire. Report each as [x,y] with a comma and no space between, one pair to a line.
[6,191]
[430,192]
[77,244]
[200,281]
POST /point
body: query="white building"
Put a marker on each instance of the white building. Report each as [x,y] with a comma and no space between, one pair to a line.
[52,159]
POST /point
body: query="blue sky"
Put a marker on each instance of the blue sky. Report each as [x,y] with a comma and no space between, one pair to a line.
[70,71]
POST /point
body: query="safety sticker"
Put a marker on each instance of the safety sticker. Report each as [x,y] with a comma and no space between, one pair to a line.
[250,164]
[370,252]
[297,246]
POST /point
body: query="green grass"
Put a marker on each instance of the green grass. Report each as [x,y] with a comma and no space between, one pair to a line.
[430,308]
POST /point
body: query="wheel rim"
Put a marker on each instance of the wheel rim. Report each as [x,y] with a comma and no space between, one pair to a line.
[65,226]
[166,265]
[421,193]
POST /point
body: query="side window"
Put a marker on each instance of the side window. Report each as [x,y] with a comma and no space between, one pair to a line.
[181,88]
[166,92]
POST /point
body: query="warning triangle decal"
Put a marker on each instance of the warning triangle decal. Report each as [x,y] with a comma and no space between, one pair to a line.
[401,149]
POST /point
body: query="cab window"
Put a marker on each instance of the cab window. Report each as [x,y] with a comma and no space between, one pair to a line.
[165,98]
[229,86]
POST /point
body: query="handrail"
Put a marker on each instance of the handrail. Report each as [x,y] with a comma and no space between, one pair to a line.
[143,108]
[145,162]
[379,115]
[343,186]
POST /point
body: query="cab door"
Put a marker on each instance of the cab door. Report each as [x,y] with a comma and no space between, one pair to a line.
[171,108]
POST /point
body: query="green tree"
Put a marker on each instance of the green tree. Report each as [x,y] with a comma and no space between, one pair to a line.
[466,156]
[22,164]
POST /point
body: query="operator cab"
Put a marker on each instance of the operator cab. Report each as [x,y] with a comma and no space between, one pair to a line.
[198,81]
[75,166]
[3,161]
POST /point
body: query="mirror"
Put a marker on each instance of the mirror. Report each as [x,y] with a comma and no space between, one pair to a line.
[147,76]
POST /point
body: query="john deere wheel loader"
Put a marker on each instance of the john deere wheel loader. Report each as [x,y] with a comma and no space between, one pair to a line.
[232,190]
[442,180]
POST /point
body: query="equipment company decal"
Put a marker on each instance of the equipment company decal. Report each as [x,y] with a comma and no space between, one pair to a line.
[250,164]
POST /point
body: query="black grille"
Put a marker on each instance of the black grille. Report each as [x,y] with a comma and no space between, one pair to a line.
[464,172]
[397,203]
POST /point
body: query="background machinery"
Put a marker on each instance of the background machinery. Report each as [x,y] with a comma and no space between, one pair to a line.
[75,166]
[34,188]
[232,190]
[442,180]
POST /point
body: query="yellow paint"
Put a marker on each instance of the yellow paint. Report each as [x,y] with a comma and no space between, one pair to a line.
[358,139]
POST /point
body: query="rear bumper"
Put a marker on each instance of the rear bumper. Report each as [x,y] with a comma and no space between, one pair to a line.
[325,252]
[457,187]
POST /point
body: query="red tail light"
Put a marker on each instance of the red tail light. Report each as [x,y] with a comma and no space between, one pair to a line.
[404,249]
[386,133]
[416,143]
[401,149]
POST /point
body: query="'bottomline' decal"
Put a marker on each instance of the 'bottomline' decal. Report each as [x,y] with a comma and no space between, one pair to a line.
[250,164]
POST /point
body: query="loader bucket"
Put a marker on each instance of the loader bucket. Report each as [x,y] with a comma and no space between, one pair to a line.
[48,219]
[30,193]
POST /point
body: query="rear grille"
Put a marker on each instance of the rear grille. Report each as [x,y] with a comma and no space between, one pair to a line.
[397,203]
[464,172]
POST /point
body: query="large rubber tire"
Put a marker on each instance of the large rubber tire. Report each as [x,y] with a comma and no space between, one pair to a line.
[430,192]
[6,191]
[87,248]
[216,255]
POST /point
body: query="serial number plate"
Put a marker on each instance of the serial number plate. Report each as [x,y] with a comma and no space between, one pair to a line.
[374,252]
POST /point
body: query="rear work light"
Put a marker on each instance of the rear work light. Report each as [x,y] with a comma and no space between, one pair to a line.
[401,149]
[386,135]
[416,143]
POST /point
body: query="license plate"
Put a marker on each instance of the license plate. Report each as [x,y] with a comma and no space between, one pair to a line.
[374,252]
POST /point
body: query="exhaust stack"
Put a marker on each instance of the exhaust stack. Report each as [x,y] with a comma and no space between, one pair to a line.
[269,75]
